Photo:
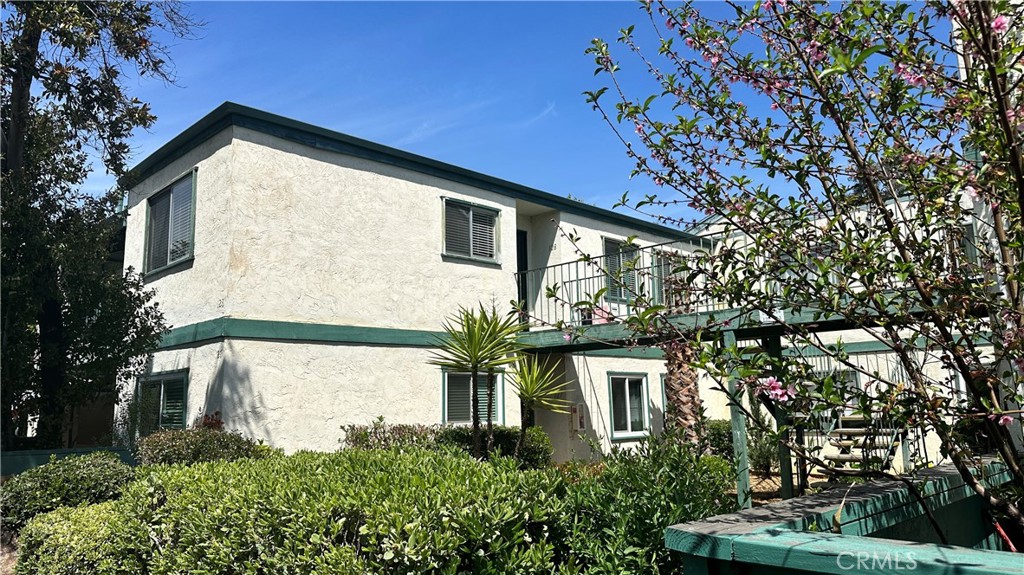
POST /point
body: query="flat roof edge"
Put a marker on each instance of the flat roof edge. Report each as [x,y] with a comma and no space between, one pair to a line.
[232,114]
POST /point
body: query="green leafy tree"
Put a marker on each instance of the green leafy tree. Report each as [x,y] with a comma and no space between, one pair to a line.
[862,165]
[72,322]
[538,386]
[478,342]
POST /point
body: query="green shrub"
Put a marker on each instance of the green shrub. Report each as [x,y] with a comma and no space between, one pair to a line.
[716,437]
[196,445]
[70,541]
[67,482]
[617,516]
[382,435]
[356,511]
[762,452]
[535,453]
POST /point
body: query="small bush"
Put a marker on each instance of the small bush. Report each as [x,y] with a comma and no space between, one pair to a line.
[716,438]
[762,452]
[535,453]
[67,482]
[196,445]
[381,435]
[618,511]
[72,541]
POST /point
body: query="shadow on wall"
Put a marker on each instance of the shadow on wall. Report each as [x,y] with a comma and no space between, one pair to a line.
[230,391]
[582,390]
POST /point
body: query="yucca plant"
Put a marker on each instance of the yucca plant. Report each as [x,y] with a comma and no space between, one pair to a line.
[478,341]
[538,386]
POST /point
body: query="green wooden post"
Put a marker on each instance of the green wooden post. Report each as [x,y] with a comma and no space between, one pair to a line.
[773,347]
[739,435]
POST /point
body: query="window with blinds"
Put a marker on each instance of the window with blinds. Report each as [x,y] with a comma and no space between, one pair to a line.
[170,225]
[629,405]
[458,406]
[470,231]
[618,262]
[162,402]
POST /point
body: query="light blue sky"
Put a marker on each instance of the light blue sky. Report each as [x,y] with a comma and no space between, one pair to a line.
[493,87]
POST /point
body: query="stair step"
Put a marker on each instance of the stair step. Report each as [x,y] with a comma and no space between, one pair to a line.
[852,458]
[861,444]
[862,431]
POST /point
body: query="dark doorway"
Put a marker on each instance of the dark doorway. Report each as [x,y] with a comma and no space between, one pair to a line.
[522,264]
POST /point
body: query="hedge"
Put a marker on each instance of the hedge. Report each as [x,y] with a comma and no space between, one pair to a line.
[68,482]
[196,445]
[382,511]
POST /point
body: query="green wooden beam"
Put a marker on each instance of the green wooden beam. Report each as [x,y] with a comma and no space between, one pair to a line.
[739,436]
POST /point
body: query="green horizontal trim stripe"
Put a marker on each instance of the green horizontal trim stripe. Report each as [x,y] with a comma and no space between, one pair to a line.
[231,114]
[635,353]
[258,329]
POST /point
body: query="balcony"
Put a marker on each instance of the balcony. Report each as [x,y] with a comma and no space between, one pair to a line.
[592,291]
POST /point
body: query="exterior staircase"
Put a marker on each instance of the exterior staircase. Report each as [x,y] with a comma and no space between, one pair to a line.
[862,447]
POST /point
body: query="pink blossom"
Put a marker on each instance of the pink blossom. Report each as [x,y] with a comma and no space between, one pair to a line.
[972,192]
[817,54]
[567,336]
[670,23]
[1000,24]
[772,387]
[1005,420]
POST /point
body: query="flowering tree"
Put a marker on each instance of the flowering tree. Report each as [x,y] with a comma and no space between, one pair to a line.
[861,166]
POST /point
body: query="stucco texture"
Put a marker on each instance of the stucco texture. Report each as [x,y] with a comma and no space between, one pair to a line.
[297,396]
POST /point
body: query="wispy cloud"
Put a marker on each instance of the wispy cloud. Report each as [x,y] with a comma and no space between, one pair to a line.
[425,130]
[549,110]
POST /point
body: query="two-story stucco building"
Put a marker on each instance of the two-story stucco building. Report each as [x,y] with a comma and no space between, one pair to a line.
[306,274]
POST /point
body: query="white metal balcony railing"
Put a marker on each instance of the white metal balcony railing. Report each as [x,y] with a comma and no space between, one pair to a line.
[613,284]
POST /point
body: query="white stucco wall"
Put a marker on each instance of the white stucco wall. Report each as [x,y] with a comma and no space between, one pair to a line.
[297,396]
[323,237]
[588,376]
[196,291]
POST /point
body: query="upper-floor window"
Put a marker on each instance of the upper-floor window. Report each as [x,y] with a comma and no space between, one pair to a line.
[169,224]
[470,231]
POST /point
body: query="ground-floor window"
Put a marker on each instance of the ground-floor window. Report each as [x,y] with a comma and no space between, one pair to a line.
[161,401]
[457,399]
[630,409]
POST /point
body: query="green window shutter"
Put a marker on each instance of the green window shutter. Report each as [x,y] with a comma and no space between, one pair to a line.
[482,394]
[181,220]
[969,243]
[458,408]
[172,412]
[159,230]
[483,234]
[457,229]
[621,282]
[149,407]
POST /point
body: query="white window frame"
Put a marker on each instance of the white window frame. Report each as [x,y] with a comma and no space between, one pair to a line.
[499,399]
[496,230]
[629,433]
